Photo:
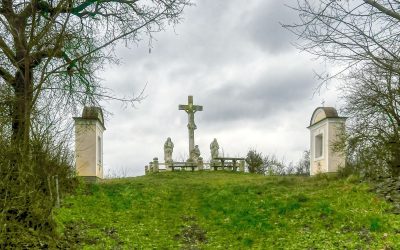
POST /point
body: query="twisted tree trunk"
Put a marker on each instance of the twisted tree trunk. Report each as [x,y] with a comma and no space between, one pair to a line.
[22,107]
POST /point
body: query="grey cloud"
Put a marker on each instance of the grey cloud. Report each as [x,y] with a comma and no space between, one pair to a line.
[263,26]
[211,34]
[215,32]
[267,97]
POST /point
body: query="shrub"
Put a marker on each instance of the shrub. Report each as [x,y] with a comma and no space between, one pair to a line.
[255,161]
[28,193]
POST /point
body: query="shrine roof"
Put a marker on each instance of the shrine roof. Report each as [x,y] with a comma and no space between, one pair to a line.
[92,113]
[322,113]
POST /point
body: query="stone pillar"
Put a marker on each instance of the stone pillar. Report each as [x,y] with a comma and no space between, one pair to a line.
[241,166]
[151,169]
[146,169]
[155,164]
[200,164]
[191,137]
[168,166]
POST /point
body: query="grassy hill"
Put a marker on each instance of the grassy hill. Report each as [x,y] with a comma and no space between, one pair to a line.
[222,210]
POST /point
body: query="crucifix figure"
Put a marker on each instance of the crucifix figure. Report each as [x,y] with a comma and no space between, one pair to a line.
[190,110]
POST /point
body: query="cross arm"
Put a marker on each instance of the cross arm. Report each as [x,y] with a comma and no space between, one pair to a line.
[198,108]
[183,107]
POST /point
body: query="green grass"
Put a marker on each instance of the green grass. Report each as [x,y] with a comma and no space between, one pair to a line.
[222,210]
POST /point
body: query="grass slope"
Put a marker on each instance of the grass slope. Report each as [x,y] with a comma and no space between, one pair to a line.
[222,210]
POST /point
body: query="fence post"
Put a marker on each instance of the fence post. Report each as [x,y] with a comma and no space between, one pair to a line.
[49,184]
[58,193]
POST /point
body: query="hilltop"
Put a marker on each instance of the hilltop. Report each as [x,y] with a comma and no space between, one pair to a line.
[223,210]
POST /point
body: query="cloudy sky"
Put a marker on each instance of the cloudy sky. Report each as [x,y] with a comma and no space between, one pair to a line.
[237,61]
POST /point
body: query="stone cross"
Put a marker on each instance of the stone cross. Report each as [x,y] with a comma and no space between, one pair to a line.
[190,110]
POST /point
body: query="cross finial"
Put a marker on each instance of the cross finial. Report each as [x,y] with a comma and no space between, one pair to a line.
[323,103]
[190,107]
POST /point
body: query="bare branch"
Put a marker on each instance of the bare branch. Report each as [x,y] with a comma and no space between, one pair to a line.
[7,50]
[6,75]
[384,10]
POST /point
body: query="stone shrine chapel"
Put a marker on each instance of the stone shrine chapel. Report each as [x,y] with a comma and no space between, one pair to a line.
[89,143]
[325,126]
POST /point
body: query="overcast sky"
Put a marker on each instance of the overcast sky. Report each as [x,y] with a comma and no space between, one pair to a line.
[233,56]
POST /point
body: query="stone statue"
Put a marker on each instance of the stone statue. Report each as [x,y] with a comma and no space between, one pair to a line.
[195,154]
[214,147]
[168,149]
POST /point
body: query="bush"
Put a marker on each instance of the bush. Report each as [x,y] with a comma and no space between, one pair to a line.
[255,162]
[28,195]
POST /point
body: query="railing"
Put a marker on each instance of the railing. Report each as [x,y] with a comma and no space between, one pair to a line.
[230,163]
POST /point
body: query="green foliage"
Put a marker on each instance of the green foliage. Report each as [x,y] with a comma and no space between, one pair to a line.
[353,178]
[255,161]
[28,194]
[225,210]
[375,224]
[303,166]
[270,165]
[324,208]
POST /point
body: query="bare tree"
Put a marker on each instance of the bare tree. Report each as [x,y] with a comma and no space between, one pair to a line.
[56,47]
[372,101]
[362,36]
[273,166]
[350,33]
[50,53]
[303,166]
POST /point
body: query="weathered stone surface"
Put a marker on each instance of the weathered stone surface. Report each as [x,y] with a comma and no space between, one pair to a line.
[200,163]
[195,154]
[241,166]
[214,147]
[155,165]
[389,188]
[168,150]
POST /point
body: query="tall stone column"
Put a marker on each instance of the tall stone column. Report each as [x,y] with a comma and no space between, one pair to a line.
[191,136]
